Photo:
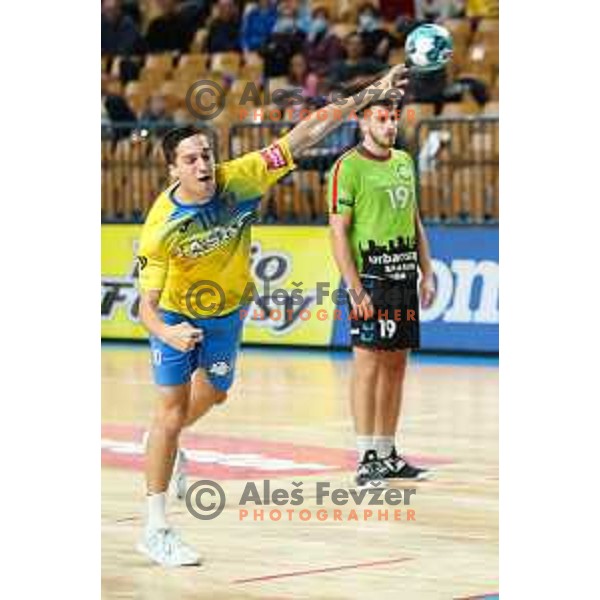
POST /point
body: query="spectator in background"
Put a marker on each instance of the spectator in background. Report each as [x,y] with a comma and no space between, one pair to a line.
[299,77]
[257,25]
[115,112]
[173,29]
[303,11]
[286,40]
[355,70]
[132,9]
[322,48]
[155,115]
[224,28]
[439,10]
[392,9]
[119,35]
[377,42]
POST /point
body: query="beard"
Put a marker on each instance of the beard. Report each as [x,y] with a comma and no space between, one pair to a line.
[384,141]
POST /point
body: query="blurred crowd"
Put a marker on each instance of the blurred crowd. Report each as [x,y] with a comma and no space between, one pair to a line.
[300,45]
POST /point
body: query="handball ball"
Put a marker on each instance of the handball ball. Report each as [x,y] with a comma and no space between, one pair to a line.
[428,48]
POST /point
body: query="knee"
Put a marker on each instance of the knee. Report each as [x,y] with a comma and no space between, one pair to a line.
[172,419]
[394,362]
[368,364]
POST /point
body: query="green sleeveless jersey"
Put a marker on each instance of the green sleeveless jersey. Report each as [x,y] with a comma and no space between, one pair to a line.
[380,195]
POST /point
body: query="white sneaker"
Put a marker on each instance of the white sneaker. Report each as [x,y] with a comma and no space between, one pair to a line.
[178,483]
[165,547]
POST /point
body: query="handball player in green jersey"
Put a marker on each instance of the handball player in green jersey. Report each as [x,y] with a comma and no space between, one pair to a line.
[380,246]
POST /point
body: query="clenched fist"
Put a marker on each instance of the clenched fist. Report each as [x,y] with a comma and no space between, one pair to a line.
[182,337]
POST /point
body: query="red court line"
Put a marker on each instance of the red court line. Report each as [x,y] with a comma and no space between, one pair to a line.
[323,570]
[338,458]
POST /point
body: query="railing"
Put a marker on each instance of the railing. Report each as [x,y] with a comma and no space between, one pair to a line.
[457,160]
[301,197]
[458,169]
[133,169]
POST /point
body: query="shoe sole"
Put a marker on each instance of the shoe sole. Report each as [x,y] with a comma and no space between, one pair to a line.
[422,477]
[369,485]
[142,549]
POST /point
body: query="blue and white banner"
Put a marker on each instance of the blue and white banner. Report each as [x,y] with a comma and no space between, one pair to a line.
[464,315]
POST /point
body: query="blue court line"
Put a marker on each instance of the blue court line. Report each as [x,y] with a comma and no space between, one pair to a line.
[336,355]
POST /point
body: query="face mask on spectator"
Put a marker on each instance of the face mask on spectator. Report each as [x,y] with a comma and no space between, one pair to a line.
[284,25]
[318,26]
[367,22]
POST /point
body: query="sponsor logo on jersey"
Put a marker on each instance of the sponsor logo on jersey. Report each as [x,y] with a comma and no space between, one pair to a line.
[143,261]
[274,157]
[404,171]
[215,238]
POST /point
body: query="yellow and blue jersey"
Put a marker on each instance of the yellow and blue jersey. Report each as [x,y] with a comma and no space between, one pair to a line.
[182,245]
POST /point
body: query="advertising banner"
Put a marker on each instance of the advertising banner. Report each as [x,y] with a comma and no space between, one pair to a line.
[291,263]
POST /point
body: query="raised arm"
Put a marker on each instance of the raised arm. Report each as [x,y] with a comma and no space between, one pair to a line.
[322,122]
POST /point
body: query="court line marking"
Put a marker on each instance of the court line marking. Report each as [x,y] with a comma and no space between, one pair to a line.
[322,570]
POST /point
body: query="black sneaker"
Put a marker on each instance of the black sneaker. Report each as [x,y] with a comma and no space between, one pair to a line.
[371,472]
[396,467]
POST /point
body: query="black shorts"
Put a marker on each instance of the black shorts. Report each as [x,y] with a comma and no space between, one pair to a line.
[395,322]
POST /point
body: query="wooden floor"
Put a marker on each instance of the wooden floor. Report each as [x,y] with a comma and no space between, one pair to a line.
[287,420]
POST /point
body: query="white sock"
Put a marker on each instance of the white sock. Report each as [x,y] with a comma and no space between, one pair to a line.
[383,444]
[157,518]
[364,443]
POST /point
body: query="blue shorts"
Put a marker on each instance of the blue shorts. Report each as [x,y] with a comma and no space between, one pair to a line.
[215,353]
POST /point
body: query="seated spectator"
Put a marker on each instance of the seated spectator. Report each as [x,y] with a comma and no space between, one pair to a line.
[257,24]
[392,9]
[195,10]
[303,10]
[117,116]
[286,40]
[299,77]
[467,87]
[377,42]
[224,28]
[155,115]
[132,9]
[119,35]
[322,47]
[174,29]
[439,10]
[355,70]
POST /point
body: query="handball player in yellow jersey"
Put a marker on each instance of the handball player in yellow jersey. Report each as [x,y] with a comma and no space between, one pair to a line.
[194,268]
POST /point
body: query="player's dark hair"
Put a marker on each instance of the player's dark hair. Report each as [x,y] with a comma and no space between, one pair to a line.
[387,103]
[172,139]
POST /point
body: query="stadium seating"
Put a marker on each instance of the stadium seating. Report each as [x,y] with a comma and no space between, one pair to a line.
[226,62]
[136,94]
[462,183]
[199,43]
